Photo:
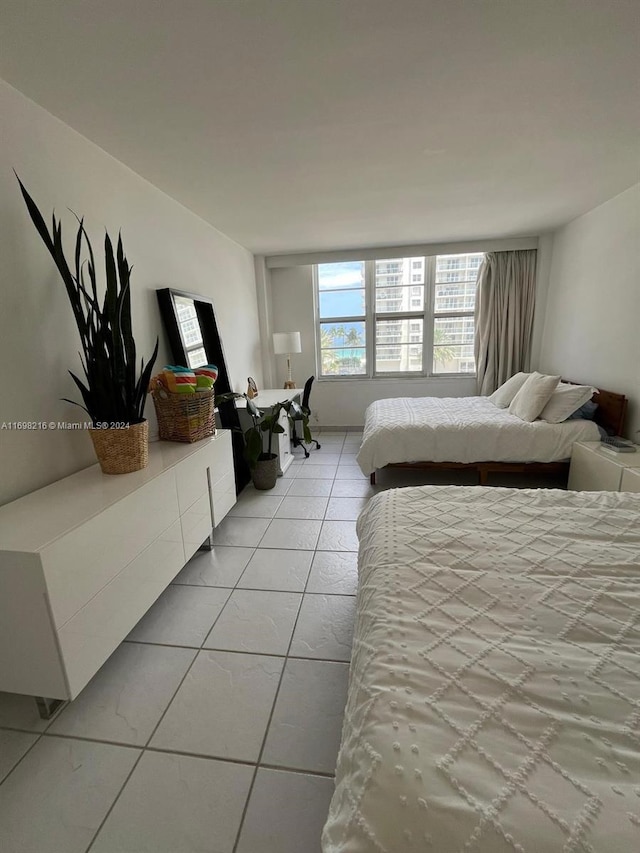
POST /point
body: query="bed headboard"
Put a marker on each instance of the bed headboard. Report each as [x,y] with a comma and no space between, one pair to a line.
[611,410]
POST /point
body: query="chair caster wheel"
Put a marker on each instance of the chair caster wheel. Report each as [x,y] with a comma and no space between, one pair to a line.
[318,446]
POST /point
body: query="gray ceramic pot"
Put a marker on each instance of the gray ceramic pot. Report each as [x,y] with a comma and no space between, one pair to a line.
[265,474]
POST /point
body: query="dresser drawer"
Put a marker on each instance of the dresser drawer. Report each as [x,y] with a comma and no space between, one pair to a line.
[223,496]
[284,451]
[630,480]
[83,561]
[191,479]
[197,525]
[87,640]
[219,456]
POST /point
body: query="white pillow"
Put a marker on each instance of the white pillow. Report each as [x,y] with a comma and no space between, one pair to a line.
[508,390]
[564,401]
[533,396]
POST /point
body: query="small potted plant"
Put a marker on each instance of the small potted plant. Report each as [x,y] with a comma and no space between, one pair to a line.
[112,396]
[263,462]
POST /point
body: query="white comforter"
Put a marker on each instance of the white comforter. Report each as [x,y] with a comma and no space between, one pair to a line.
[494,697]
[461,429]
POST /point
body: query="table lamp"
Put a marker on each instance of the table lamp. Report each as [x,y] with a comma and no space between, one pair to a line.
[284,343]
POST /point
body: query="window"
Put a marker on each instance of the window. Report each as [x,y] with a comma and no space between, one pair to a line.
[397,316]
[341,308]
[453,313]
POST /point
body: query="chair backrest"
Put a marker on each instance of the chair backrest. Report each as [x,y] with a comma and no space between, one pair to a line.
[307,392]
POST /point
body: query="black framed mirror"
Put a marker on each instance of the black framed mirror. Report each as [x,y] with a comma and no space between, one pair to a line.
[194,340]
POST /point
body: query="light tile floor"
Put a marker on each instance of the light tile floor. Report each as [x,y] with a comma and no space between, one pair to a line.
[215,726]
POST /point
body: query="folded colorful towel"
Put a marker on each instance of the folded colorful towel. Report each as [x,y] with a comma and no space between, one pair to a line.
[207,370]
[180,382]
[203,383]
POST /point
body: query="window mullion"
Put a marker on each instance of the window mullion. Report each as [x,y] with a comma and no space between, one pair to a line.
[316,318]
[427,335]
[399,315]
[454,315]
[370,322]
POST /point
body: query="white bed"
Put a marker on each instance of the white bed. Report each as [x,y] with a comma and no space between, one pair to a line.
[461,429]
[494,696]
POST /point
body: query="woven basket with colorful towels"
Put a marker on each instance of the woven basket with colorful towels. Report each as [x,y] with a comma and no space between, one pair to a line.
[184,402]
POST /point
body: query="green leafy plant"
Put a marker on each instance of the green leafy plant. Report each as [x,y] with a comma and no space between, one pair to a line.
[111,392]
[266,422]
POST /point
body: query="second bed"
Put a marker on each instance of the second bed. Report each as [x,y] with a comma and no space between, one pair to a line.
[472,431]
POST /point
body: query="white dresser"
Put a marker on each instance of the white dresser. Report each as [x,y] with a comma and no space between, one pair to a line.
[82,560]
[594,469]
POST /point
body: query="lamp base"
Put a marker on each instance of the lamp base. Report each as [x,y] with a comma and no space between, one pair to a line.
[290,383]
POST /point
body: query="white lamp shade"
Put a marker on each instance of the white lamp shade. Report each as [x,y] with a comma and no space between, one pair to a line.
[286,342]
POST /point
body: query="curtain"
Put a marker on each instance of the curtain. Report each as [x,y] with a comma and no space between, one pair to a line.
[505,299]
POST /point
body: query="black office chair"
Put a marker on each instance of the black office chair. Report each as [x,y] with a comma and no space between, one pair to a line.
[298,413]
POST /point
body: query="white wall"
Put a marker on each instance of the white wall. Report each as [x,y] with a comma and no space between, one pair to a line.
[592,325]
[337,402]
[167,245]
[543,268]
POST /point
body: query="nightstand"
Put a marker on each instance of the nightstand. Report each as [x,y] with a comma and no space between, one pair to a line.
[594,469]
[630,480]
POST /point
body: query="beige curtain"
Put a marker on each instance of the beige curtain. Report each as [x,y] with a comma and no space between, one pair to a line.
[505,300]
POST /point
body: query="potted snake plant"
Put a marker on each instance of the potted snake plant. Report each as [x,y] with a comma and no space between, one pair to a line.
[113,392]
[258,438]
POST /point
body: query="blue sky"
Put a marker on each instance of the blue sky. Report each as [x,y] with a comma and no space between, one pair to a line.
[344,274]
[342,302]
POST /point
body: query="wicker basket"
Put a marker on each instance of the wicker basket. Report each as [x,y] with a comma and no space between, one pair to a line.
[121,451]
[184,417]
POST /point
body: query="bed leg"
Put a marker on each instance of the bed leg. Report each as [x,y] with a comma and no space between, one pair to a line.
[372,478]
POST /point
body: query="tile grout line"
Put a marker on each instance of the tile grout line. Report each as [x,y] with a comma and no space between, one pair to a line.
[39,736]
[143,749]
[275,700]
[268,726]
[22,757]
[183,752]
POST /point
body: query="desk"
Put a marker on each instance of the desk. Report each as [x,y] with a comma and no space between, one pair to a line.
[267,398]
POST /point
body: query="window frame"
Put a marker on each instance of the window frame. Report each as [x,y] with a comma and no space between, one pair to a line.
[371,317]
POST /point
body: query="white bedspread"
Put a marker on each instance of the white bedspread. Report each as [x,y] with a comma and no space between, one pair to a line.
[461,429]
[494,697]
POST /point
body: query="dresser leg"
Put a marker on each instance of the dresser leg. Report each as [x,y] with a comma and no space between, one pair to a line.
[207,545]
[48,707]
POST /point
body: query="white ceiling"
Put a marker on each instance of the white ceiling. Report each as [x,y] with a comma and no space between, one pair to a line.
[294,125]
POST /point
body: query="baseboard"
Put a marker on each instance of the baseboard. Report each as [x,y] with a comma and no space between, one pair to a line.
[324,428]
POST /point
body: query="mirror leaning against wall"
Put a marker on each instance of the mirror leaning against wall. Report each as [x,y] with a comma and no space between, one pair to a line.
[194,340]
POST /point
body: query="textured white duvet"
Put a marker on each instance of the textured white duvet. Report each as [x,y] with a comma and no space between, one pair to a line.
[494,698]
[461,429]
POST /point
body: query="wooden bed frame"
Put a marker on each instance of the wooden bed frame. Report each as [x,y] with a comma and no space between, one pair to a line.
[610,415]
